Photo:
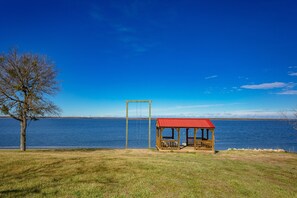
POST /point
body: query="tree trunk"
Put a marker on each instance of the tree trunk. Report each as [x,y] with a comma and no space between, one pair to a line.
[23,134]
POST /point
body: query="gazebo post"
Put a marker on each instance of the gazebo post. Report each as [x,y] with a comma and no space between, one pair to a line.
[195,131]
[157,136]
[172,133]
[207,130]
[160,137]
[161,130]
[202,131]
[178,131]
[213,141]
[187,136]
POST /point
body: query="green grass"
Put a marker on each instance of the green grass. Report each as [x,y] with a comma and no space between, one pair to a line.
[146,173]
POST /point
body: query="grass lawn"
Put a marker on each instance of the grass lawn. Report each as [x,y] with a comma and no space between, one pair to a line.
[146,173]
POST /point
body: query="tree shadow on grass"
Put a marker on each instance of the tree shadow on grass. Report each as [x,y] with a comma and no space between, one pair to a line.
[73,149]
[20,192]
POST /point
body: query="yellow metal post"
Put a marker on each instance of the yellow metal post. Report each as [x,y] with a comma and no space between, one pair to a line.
[149,127]
[213,140]
[127,103]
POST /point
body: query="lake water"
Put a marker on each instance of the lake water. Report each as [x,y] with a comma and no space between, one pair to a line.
[110,133]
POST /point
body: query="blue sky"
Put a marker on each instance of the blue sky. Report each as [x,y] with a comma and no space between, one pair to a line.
[192,58]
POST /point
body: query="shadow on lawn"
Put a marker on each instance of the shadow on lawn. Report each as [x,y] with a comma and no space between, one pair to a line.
[20,192]
[73,149]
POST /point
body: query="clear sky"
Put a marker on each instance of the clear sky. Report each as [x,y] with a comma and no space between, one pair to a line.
[192,58]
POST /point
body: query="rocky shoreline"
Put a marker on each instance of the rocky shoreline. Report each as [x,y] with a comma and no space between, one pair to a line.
[255,149]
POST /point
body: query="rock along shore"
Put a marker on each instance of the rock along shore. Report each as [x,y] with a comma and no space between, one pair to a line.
[255,149]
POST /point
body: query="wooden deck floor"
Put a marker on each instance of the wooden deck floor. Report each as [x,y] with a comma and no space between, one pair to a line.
[186,149]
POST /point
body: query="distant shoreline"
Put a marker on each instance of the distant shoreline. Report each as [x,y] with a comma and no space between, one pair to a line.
[95,148]
[85,117]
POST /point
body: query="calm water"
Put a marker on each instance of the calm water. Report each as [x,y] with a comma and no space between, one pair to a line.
[110,133]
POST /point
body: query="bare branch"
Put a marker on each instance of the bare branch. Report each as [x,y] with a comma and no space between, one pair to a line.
[25,83]
[292,118]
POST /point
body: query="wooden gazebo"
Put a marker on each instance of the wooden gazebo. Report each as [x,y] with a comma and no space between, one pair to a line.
[201,139]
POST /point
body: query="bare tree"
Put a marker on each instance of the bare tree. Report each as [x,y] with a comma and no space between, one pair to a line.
[291,118]
[26,83]
[294,120]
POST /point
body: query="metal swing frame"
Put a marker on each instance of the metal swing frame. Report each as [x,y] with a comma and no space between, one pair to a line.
[149,119]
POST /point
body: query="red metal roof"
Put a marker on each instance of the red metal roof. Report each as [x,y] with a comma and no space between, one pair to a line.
[184,123]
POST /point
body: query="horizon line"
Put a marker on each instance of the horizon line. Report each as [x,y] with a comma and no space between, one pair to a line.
[154,118]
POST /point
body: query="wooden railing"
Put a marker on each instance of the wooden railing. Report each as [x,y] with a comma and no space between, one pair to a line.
[169,144]
[203,144]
